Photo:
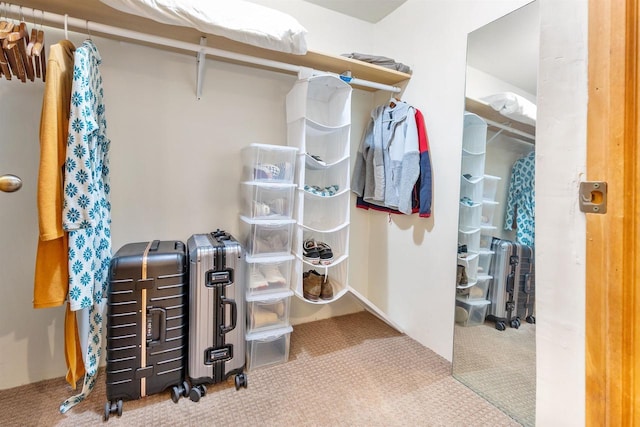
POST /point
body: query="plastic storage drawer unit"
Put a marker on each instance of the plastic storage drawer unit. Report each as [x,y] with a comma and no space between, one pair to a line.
[267,275]
[271,163]
[479,291]
[268,348]
[471,312]
[268,311]
[266,237]
[266,200]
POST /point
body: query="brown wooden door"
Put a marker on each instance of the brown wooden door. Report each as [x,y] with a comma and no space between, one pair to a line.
[612,302]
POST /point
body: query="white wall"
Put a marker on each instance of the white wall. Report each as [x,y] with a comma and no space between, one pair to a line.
[560,226]
[480,84]
[30,340]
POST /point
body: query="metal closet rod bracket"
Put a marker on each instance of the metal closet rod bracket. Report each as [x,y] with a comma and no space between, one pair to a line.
[200,67]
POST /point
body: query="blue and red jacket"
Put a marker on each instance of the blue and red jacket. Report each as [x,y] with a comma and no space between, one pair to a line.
[422,191]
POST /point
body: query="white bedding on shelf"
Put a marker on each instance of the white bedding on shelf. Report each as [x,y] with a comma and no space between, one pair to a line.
[513,106]
[237,20]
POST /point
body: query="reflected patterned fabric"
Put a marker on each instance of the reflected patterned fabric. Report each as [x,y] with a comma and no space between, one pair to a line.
[521,200]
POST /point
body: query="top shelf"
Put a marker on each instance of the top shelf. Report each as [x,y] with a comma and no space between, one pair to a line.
[485,111]
[96,11]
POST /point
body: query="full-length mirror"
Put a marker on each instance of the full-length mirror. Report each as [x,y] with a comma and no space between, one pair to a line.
[494,338]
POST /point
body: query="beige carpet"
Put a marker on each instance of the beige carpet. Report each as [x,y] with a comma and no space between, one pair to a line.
[500,366]
[345,371]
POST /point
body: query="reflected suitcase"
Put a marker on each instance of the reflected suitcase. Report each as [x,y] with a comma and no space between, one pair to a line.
[147,322]
[525,305]
[511,291]
[217,311]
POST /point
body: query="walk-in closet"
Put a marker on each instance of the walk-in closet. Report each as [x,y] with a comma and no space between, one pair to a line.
[182,104]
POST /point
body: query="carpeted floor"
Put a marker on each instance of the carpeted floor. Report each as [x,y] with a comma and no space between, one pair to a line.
[500,366]
[350,370]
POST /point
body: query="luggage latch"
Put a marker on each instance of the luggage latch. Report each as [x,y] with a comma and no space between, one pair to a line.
[219,278]
[212,355]
[593,197]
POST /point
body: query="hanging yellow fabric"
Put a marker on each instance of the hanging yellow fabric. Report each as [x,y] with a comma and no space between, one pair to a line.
[51,282]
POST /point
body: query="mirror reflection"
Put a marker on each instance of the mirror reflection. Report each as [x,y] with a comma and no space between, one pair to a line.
[494,338]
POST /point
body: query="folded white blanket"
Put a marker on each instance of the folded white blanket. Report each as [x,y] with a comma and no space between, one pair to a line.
[513,106]
[237,20]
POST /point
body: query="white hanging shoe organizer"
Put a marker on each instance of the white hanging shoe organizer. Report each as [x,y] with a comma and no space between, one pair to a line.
[319,124]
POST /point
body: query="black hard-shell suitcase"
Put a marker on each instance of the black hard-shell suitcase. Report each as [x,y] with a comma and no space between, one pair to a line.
[512,285]
[147,322]
[525,306]
[217,311]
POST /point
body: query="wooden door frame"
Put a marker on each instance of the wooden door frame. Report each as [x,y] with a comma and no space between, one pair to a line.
[612,268]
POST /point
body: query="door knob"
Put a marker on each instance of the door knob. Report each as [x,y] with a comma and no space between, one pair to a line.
[10,183]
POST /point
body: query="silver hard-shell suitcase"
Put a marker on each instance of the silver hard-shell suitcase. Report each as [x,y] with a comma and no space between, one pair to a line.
[503,292]
[216,311]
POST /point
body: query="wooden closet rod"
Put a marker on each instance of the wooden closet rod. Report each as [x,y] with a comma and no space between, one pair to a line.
[52,18]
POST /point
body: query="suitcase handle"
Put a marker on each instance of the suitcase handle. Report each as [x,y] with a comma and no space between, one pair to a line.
[162,321]
[527,283]
[154,245]
[234,315]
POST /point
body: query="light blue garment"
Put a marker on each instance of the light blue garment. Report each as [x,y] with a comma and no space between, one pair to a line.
[521,200]
[388,160]
[86,208]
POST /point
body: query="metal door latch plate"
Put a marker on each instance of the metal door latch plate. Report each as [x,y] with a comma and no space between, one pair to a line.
[593,197]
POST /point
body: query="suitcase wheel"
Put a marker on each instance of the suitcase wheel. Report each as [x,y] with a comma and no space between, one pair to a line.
[197,392]
[501,326]
[515,323]
[175,394]
[241,381]
[111,407]
[179,391]
[185,389]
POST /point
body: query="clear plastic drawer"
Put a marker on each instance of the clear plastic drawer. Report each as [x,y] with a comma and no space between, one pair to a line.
[266,237]
[266,200]
[269,311]
[268,348]
[271,163]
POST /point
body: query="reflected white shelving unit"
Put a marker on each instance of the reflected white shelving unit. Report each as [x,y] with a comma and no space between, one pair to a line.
[319,126]
[475,225]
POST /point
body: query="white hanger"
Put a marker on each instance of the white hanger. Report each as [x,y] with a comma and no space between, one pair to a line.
[66,22]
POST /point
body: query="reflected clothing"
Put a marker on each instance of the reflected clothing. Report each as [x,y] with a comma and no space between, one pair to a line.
[521,200]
